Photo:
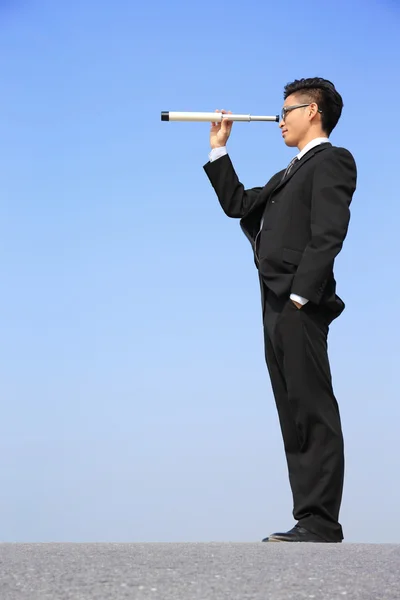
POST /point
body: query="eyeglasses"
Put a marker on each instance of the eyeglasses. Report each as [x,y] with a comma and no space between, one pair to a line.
[287,109]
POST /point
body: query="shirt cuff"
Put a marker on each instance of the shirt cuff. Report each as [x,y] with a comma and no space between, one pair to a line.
[217,153]
[298,299]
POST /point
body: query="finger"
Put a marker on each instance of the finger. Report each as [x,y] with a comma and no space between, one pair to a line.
[228,122]
[218,111]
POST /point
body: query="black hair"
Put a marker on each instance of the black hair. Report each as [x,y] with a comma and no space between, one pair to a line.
[322,92]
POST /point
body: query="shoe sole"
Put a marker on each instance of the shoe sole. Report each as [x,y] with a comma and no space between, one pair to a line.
[275,539]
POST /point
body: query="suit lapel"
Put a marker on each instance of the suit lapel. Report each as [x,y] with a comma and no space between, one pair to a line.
[301,162]
[250,224]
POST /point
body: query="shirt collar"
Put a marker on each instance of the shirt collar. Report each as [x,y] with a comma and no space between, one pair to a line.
[312,144]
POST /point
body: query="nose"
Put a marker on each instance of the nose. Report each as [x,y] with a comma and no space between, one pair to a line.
[282,122]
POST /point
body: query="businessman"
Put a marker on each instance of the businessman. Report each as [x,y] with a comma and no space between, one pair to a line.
[296,225]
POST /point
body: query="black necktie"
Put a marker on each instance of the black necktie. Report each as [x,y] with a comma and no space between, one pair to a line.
[289,167]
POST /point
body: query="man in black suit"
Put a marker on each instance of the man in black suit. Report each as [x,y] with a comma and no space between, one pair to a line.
[296,225]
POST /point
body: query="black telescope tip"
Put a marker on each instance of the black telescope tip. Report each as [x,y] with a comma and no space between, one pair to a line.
[165,115]
[277,118]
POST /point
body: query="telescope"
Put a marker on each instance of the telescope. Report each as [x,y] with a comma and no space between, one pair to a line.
[213,117]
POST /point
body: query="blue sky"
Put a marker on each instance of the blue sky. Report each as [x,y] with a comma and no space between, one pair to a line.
[136,405]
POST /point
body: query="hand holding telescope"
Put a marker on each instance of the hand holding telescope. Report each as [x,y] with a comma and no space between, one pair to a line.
[220,129]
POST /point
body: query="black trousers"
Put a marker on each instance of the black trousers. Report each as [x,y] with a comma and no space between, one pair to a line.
[298,365]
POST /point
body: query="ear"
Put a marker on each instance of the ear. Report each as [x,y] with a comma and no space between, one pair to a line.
[312,110]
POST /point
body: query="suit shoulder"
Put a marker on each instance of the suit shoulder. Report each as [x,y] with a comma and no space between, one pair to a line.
[341,157]
[340,152]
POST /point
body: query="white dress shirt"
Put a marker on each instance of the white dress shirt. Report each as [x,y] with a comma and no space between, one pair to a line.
[218,152]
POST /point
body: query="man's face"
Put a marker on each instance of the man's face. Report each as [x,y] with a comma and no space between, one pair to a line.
[295,124]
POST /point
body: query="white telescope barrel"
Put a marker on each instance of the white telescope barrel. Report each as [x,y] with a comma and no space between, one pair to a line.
[213,117]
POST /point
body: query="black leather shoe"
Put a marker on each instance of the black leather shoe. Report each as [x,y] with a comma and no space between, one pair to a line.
[297,534]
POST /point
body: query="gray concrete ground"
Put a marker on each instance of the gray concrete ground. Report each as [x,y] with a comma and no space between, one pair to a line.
[234,571]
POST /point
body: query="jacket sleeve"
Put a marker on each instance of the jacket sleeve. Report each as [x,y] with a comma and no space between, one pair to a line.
[333,188]
[235,201]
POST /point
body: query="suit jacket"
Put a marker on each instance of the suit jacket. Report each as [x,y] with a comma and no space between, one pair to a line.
[306,218]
